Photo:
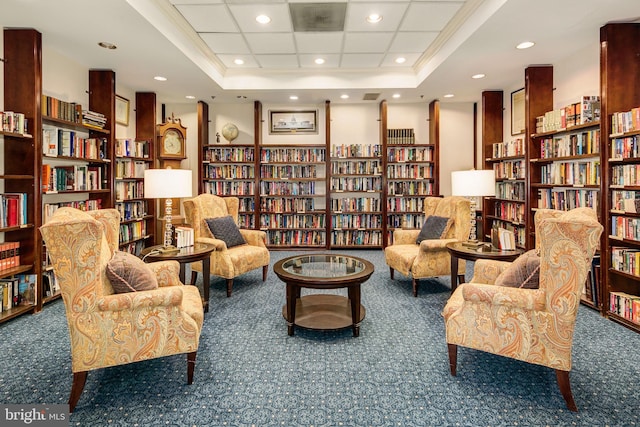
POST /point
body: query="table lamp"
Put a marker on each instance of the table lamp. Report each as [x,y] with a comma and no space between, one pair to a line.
[473,184]
[165,184]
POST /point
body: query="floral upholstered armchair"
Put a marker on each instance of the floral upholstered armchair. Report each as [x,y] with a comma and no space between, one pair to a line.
[106,328]
[227,262]
[430,258]
[532,325]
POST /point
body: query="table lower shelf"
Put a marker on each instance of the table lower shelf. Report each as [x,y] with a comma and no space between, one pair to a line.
[324,312]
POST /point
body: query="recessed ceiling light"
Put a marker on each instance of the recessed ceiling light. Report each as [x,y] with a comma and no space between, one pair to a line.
[293,97]
[319,61]
[400,60]
[478,76]
[396,95]
[238,61]
[344,96]
[107,45]
[525,45]
[449,95]
[263,19]
[374,18]
[160,78]
[190,97]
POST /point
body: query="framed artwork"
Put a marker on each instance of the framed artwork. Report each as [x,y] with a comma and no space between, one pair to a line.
[293,121]
[122,110]
[517,112]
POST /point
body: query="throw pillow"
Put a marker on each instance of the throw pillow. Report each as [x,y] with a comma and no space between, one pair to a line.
[128,273]
[524,272]
[434,227]
[226,229]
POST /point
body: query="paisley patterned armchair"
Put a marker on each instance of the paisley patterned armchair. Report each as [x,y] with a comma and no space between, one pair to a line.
[430,258]
[532,325]
[108,329]
[226,262]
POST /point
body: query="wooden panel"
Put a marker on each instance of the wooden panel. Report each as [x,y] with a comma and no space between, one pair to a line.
[434,138]
[492,122]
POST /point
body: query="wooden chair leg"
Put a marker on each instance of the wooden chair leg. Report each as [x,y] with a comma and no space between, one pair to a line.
[191,365]
[565,388]
[229,287]
[194,277]
[453,358]
[461,278]
[414,283]
[265,269]
[79,378]
[391,272]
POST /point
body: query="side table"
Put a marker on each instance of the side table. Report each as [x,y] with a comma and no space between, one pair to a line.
[197,252]
[458,250]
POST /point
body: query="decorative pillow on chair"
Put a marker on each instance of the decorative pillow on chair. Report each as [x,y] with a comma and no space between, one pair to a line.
[434,227]
[524,272]
[225,229]
[128,273]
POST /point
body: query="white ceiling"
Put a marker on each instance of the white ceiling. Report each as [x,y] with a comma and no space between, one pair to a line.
[193,43]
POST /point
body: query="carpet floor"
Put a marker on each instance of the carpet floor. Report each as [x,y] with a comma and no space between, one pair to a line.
[249,372]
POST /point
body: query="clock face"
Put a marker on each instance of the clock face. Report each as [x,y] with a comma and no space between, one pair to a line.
[172,142]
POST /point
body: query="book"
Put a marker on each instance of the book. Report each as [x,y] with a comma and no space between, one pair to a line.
[27,285]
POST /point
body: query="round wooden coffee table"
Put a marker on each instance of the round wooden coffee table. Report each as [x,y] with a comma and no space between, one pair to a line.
[323,271]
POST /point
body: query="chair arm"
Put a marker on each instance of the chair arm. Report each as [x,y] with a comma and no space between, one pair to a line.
[167,272]
[527,299]
[405,237]
[487,271]
[432,244]
[161,297]
[220,245]
[255,237]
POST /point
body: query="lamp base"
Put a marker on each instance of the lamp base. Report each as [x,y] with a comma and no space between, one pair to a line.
[168,249]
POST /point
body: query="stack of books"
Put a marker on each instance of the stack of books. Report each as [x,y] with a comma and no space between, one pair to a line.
[93,119]
[184,237]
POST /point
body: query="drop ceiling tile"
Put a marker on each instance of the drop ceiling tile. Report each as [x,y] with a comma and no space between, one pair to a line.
[391,13]
[245,16]
[331,61]
[412,41]
[208,18]
[361,60]
[326,42]
[227,60]
[277,61]
[428,16]
[367,42]
[261,43]
[225,43]
[410,59]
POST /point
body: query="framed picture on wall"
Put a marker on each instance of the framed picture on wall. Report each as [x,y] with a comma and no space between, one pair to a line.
[288,122]
[122,110]
[517,112]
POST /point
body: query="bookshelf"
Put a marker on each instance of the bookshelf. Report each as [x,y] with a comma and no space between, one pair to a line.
[620,96]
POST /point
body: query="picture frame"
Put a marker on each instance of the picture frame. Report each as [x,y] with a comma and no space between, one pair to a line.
[518,124]
[293,121]
[122,110]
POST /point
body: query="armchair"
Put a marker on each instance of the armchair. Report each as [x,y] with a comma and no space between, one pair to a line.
[430,258]
[532,325]
[108,329]
[226,262]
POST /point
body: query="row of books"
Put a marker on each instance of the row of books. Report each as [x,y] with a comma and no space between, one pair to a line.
[625,121]
[625,148]
[289,171]
[510,190]
[565,199]
[511,169]
[405,204]
[626,259]
[84,205]
[356,238]
[356,221]
[625,305]
[356,150]
[503,238]
[625,201]
[587,110]
[508,148]
[19,290]
[228,154]
[71,178]
[126,168]
[133,231]
[356,167]
[127,147]
[300,205]
[13,209]
[410,188]
[13,122]
[401,136]
[9,255]
[246,221]
[132,210]
[357,184]
[287,188]
[575,144]
[230,188]
[134,247]
[355,204]
[591,290]
[291,155]
[405,220]
[127,190]
[519,232]
[184,236]
[229,171]
[292,221]
[408,171]
[63,110]
[295,238]
[62,142]
[509,211]
[409,154]
[625,228]
[571,173]
[625,175]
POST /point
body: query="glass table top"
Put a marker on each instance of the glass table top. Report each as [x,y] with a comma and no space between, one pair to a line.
[323,266]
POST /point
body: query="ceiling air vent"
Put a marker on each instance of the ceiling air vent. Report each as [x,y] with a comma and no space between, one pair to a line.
[370,96]
[318,16]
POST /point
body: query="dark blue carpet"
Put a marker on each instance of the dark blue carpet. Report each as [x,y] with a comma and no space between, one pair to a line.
[250,373]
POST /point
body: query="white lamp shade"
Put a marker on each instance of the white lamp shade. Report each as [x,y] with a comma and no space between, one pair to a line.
[165,183]
[473,183]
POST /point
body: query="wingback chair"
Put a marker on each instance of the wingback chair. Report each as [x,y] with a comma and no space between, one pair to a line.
[108,329]
[228,263]
[532,325]
[430,258]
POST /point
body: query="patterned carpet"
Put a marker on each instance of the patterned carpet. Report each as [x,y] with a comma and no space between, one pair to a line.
[250,373]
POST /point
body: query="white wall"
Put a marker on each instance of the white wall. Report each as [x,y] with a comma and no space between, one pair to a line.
[456,141]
